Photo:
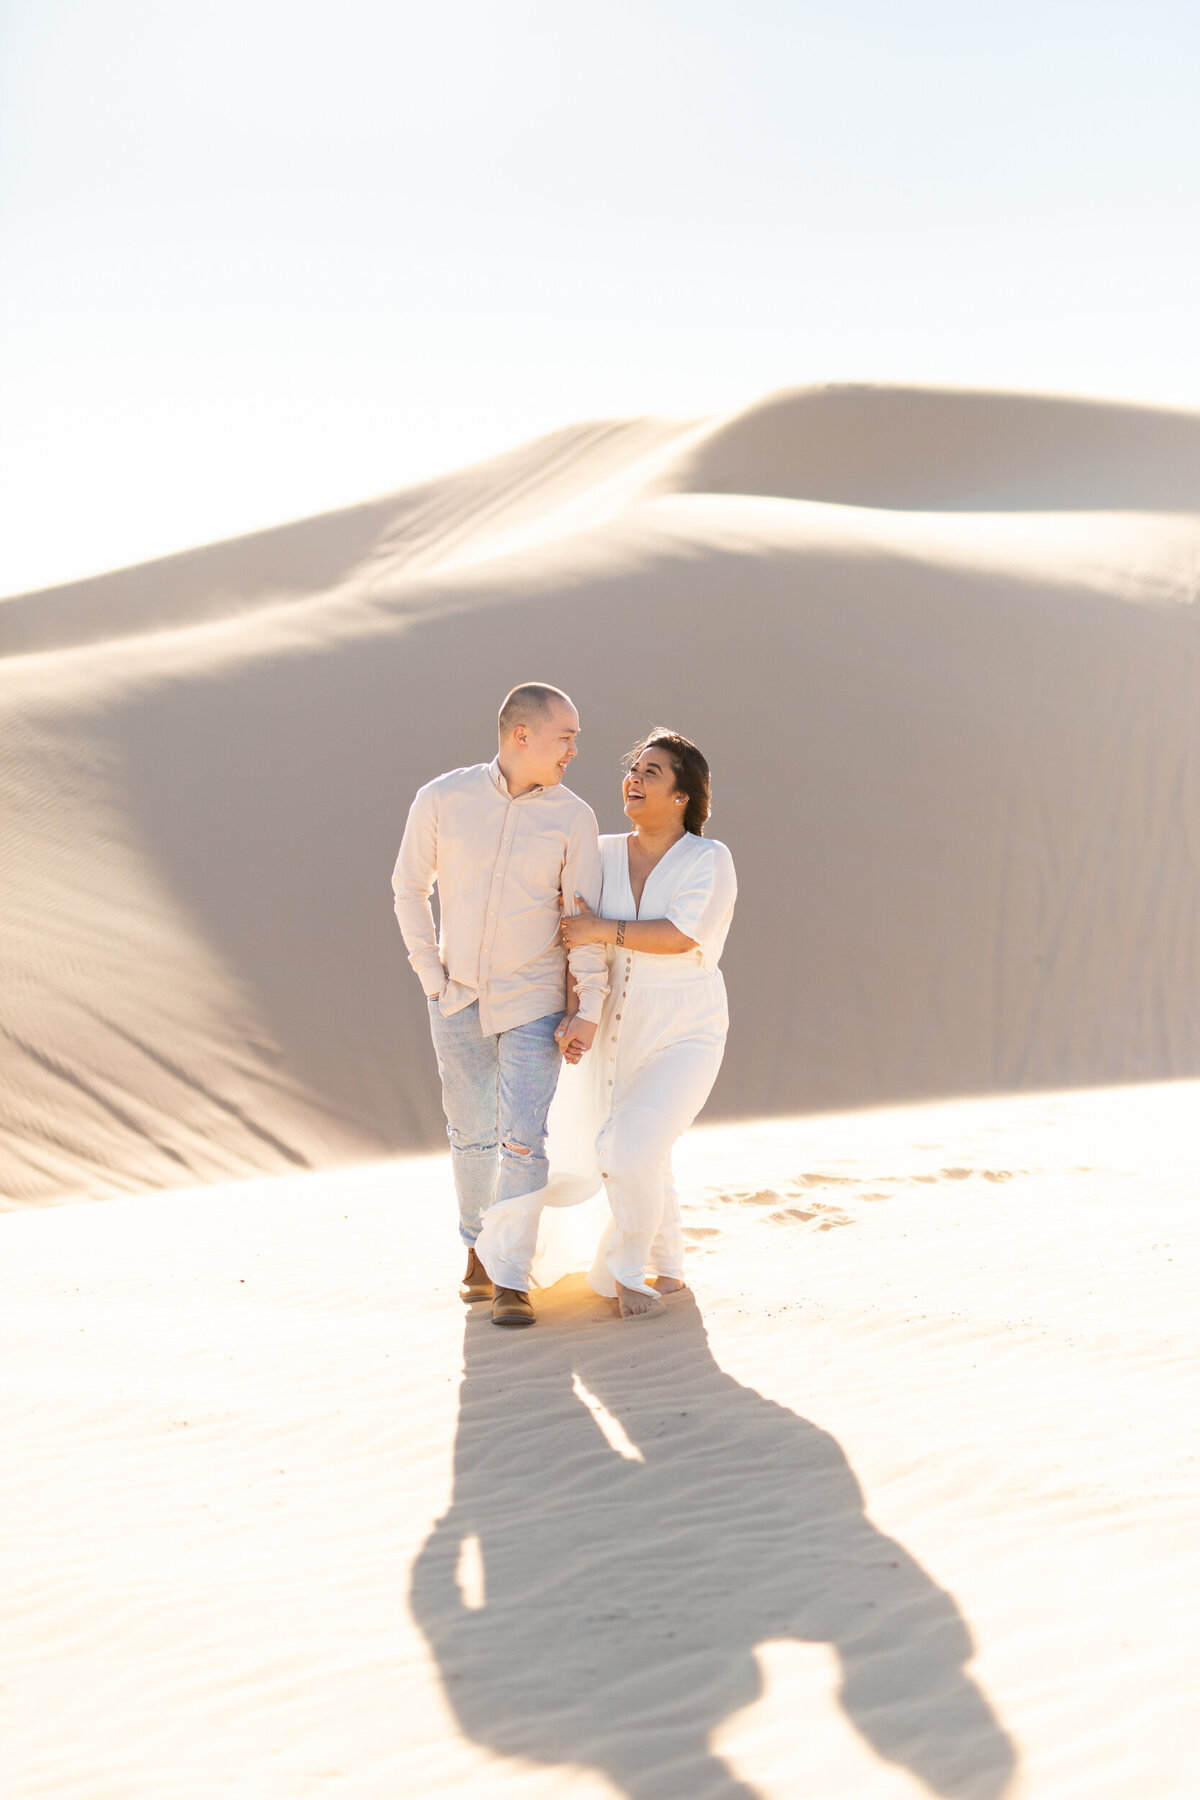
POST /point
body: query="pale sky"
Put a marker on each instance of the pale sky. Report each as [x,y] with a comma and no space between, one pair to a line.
[259,260]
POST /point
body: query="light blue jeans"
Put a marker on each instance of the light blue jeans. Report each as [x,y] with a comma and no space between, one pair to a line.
[496,1094]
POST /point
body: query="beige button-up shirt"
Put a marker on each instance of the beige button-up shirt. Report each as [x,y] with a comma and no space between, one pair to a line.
[500,864]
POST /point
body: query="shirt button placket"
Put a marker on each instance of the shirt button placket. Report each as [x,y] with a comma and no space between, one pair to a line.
[493,918]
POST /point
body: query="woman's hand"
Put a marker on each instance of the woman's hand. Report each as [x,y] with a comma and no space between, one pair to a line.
[584,927]
[575,1037]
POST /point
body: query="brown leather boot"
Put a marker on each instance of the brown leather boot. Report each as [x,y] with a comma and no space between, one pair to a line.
[511,1307]
[476,1283]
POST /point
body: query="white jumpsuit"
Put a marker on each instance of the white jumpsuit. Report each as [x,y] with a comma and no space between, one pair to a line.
[617,1115]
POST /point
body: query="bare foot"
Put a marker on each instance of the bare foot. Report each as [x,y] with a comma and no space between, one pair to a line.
[633,1305]
[667,1284]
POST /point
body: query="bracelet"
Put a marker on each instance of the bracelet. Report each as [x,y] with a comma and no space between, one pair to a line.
[620,932]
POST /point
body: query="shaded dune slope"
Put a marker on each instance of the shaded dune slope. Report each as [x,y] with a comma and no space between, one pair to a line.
[963,798]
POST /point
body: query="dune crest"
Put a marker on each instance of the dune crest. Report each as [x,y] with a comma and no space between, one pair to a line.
[545,488]
[935,450]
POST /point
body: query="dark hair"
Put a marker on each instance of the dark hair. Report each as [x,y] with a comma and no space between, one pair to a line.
[691,773]
[527,703]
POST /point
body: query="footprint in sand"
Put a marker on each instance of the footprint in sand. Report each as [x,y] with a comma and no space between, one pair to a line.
[966,1174]
[821,1218]
[896,1181]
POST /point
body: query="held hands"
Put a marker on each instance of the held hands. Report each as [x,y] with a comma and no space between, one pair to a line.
[574,1036]
[584,927]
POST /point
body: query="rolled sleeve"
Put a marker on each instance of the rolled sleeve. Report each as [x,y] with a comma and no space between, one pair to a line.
[582,874]
[413,881]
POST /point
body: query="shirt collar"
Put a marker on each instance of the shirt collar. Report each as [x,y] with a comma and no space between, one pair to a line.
[501,786]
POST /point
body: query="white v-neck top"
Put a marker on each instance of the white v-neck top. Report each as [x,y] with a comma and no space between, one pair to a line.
[693,885]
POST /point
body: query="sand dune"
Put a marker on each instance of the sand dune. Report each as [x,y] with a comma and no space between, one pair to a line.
[957,759]
[898,1502]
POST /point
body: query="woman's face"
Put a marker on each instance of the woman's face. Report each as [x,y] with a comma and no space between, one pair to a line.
[651,797]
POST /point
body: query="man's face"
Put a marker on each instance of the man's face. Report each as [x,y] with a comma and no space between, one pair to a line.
[550,744]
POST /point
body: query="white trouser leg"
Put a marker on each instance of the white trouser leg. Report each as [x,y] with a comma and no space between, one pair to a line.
[653,1109]
[666,1252]
[508,1239]
[636,1169]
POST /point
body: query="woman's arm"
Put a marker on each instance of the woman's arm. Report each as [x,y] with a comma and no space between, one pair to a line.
[657,937]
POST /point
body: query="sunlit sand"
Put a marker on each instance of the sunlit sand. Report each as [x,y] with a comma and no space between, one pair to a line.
[899,1500]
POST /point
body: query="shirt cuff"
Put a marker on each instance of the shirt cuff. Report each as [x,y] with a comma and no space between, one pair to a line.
[429,971]
[591,1004]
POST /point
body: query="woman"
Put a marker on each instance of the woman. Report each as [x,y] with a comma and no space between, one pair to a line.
[664,913]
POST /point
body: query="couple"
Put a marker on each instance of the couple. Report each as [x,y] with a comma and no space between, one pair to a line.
[557,945]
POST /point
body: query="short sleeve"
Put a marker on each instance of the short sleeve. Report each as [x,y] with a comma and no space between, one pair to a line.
[702,903]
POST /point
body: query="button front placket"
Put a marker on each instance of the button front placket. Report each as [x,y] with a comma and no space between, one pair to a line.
[614,1040]
[507,839]
[614,1046]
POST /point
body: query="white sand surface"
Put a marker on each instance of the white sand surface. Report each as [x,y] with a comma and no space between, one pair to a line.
[902,1502]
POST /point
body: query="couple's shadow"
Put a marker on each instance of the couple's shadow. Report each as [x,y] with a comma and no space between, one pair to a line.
[621,1600]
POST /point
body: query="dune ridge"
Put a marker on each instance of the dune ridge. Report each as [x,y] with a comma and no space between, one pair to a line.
[935,450]
[548,485]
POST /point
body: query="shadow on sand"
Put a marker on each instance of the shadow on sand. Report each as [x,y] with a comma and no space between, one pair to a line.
[622,1599]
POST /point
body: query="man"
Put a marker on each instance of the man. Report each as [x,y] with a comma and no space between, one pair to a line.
[509,848]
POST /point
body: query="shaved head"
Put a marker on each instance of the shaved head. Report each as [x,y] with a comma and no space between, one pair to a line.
[529,704]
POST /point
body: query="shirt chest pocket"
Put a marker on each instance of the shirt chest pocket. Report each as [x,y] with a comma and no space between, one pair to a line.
[540,860]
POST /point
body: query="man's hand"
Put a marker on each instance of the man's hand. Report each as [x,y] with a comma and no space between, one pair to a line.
[575,1036]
